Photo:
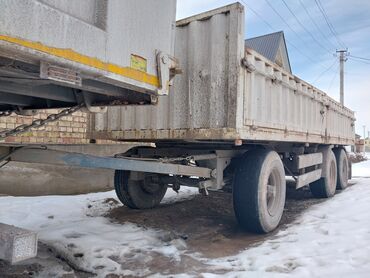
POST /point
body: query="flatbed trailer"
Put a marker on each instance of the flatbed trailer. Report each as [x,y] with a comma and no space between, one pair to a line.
[238,114]
[229,92]
[233,121]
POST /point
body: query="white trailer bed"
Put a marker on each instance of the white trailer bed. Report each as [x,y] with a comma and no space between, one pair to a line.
[229,92]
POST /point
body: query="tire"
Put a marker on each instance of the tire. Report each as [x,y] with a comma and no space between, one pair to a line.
[342,168]
[349,169]
[136,194]
[257,208]
[326,185]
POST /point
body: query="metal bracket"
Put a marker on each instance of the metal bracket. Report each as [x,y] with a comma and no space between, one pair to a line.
[247,65]
[90,108]
[168,67]
[60,74]
[203,187]
[22,112]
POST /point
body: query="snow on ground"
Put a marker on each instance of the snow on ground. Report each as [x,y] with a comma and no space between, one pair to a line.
[331,239]
[362,169]
[75,227]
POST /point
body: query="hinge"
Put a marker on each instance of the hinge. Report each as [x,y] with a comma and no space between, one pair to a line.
[168,67]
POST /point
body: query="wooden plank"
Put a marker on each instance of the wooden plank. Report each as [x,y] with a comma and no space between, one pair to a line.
[307,178]
[307,160]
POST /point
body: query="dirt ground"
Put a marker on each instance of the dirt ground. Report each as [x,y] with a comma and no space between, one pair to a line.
[206,223]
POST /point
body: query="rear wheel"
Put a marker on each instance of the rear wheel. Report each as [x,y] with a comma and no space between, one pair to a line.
[326,185]
[259,191]
[145,193]
[342,168]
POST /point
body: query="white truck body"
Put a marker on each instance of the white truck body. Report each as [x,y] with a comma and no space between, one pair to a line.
[109,44]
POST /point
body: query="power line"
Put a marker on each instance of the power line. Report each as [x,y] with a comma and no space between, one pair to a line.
[257,14]
[314,22]
[334,78]
[366,59]
[324,72]
[282,18]
[272,28]
[331,27]
[300,23]
[358,60]
[362,74]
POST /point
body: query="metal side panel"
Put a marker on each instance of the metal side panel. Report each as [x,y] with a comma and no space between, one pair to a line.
[113,41]
[209,48]
[307,160]
[308,178]
[216,98]
[280,106]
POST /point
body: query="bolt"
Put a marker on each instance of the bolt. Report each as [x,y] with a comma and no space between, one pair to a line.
[164,60]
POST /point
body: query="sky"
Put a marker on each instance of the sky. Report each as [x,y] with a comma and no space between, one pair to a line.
[311,45]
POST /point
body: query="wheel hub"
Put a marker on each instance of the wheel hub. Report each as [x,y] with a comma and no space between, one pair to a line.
[272,192]
[344,169]
[332,175]
[150,184]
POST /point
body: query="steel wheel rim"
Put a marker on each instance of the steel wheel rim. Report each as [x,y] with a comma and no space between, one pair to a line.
[332,175]
[150,188]
[344,170]
[273,188]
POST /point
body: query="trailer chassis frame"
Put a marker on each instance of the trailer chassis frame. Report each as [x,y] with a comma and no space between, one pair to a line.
[41,154]
[174,165]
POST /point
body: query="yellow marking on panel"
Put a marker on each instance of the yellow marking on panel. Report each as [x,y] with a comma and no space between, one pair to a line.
[138,63]
[74,56]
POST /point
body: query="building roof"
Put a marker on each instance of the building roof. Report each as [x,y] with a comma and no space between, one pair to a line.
[269,46]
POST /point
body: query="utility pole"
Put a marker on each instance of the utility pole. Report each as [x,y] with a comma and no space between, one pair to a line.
[342,58]
[364,127]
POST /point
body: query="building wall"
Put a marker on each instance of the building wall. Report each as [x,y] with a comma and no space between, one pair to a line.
[283,52]
[359,145]
[25,179]
[67,130]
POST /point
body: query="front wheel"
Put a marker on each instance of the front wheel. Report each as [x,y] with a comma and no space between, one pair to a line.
[138,194]
[259,191]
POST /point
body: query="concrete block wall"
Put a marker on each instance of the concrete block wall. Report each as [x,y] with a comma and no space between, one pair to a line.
[24,179]
[67,130]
